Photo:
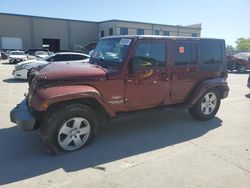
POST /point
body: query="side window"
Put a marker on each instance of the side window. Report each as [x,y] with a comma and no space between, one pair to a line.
[185,53]
[77,57]
[210,52]
[62,57]
[153,54]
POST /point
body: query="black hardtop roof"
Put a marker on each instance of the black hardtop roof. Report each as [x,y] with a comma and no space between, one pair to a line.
[160,37]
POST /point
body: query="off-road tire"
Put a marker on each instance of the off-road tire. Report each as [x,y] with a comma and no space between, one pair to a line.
[196,110]
[57,117]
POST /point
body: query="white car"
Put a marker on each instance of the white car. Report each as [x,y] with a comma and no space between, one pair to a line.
[41,54]
[21,69]
[17,56]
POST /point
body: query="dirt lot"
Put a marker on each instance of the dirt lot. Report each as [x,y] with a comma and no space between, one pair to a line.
[164,148]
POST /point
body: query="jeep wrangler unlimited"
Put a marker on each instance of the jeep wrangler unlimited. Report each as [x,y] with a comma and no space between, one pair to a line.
[126,73]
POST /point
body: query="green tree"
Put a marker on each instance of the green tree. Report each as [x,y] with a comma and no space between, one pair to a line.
[230,49]
[243,44]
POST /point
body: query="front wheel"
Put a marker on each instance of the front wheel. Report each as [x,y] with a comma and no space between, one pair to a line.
[68,128]
[207,106]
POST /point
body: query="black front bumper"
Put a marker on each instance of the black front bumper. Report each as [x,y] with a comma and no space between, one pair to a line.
[22,117]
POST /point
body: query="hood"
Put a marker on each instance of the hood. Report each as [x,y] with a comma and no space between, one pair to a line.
[72,71]
[31,63]
[26,62]
[18,56]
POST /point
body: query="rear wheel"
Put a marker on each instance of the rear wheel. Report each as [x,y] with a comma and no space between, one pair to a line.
[68,128]
[241,68]
[207,106]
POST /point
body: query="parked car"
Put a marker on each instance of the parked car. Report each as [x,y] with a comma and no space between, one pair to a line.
[21,70]
[16,57]
[31,52]
[41,54]
[239,62]
[4,55]
[125,74]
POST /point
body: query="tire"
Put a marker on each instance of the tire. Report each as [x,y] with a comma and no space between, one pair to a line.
[69,127]
[207,106]
[241,68]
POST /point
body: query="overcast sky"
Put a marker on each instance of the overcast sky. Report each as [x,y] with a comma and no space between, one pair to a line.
[228,19]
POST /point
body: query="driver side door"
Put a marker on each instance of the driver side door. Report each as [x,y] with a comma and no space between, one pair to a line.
[147,81]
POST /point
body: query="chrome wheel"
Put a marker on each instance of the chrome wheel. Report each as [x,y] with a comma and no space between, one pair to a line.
[74,133]
[242,68]
[208,103]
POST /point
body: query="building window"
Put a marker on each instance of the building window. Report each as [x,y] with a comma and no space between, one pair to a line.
[123,31]
[165,33]
[140,31]
[110,31]
[157,32]
[194,34]
[102,33]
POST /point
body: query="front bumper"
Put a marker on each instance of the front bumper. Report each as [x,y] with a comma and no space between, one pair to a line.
[20,74]
[22,117]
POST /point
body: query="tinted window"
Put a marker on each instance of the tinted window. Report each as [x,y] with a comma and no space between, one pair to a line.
[123,31]
[140,31]
[77,57]
[62,57]
[152,54]
[210,52]
[185,53]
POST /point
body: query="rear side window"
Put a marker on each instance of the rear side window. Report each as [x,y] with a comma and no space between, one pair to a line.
[62,57]
[154,53]
[77,57]
[185,53]
[210,52]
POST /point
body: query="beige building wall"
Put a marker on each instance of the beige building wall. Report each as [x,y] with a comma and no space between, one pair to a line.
[16,26]
[32,31]
[50,29]
[149,29]
[82,33]
[77,34]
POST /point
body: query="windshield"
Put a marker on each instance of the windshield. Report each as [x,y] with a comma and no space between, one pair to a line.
[243,55]
[48,57]
[17,53]
[41,53]
[111,50]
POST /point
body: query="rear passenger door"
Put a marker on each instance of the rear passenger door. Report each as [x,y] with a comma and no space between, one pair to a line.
[185,69]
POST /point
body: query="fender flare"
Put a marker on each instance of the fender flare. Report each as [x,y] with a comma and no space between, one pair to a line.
[45,97]
[219,83]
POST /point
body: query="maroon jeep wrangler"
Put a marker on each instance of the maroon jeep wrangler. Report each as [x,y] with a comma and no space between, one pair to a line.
[126,73]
